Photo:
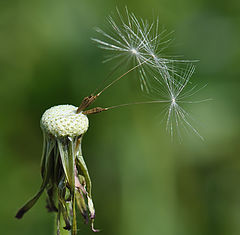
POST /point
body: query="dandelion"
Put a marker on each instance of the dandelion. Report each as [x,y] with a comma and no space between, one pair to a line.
[64,173]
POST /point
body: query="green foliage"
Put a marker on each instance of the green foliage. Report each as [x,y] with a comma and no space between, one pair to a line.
[142,184]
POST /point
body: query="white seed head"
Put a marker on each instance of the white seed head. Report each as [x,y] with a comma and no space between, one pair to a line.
[62,120]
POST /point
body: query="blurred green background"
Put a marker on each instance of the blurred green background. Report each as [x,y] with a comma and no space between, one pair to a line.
[143,183]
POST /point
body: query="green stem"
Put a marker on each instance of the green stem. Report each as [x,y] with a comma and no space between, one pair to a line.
[62,224]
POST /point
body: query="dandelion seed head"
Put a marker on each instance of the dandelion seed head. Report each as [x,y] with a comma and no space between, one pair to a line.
[62,120]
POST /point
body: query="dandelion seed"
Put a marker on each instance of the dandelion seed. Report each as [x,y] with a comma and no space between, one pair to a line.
[138,41]
[143,43]
[176,92]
